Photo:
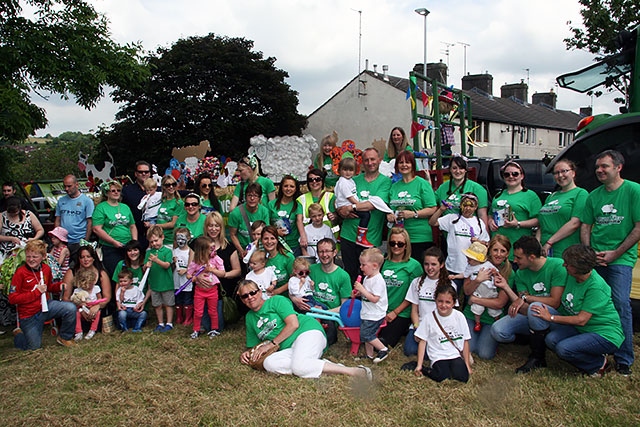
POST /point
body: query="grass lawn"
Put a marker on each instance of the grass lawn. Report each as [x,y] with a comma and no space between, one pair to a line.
[169,379]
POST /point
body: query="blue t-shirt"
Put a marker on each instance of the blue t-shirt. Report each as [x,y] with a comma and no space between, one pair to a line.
[73,215]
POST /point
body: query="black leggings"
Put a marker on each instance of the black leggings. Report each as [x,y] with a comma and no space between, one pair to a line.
[455,369]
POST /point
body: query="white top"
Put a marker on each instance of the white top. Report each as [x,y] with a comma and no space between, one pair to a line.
[132,296]
[438,346]
[299,289]
[459,238]
[264,280]
[377,286]
[314,235]
[182,261]
[150,204]
[471,272]
[425,296]
[93,295]
[344,188]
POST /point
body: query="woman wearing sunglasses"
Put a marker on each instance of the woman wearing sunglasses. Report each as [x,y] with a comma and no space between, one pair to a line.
[398,271]
[515,208]
[204,188]
[114,225]
[191,218]
[170,208]
[299,339]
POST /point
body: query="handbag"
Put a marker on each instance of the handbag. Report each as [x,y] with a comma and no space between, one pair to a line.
[259,363]
[230,311]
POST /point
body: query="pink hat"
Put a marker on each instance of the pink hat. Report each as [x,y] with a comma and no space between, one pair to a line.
[60,233]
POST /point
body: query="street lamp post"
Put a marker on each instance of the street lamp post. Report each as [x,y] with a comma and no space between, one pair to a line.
[424,12]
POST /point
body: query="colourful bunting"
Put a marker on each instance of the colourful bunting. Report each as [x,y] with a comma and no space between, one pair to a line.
[408,93]
[415,128]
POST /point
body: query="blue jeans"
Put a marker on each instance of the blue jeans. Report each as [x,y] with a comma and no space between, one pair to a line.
[506,328]
[131,314]
[619,279]
[585,351]
[482,343]
[31,336]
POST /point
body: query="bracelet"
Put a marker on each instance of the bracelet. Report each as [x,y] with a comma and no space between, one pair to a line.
[552,318]
[274,343]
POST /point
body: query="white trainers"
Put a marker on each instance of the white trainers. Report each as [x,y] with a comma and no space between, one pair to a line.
[195,335]
[90,335]
[78,336]
[213,333]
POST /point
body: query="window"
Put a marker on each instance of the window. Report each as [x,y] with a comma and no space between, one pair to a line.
[561,139]
[485,125]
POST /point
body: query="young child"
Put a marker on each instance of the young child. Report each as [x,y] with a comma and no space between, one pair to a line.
[421,293]
[477,258]
[316,230]
[206,261]
[346,195]
[256,231]
[182,257]
[445,335]
[150,204]
[264,277]
[373,291]
[130,302]
[160,279]
[59,253]
[86,292]
[29,286]
[323,160]
[301,285]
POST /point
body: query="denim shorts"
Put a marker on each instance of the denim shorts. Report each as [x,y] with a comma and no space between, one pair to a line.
[369,329]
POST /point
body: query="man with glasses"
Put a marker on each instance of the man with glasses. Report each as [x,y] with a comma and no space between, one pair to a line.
[332,285]
[133,193]
[611,226]
[73,213]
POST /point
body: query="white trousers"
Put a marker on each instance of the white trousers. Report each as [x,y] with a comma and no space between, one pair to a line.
[302,359]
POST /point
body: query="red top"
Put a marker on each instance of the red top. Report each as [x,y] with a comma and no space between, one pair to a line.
[23,293]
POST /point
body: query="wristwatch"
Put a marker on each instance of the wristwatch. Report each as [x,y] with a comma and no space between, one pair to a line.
[354,207]
[415,214]
[524,297]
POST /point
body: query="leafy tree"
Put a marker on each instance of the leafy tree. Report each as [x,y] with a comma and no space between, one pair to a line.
[64,47]
[210,87]
[602,20]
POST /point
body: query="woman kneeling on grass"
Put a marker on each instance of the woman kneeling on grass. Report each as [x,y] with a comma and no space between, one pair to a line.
[300,339]
[586,327]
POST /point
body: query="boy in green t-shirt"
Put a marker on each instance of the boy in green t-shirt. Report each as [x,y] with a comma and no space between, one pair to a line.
[158,262]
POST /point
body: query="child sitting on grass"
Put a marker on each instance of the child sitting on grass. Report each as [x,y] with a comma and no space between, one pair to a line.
[130,301]
[373,291]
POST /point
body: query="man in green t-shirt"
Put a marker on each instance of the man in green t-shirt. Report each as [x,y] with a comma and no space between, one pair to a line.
[331,285]
[538,279]
[611,226]
[370,182]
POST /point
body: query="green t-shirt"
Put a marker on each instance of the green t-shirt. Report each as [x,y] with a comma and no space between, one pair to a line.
[236,220]
[327,166]
[557,210]
[456,195]
[285,216]
[168,209]
[387,158]
[613,215]
[196,228]
[265,183]
[593,296]
[539,283]
[413,196]
[524,205]
[378,187]
[330,288]
[283,267]
[398,277]
[160,279]
[266,323]
[137,273]
[115,221]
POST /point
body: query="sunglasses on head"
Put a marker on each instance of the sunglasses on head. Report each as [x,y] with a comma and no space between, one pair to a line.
[511,174]
[249,294]
[395,244]
[194,204]
[303,273]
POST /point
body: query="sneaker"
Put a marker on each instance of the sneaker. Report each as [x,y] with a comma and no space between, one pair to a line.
[90,335]
[623,369]
[600,372]
[65,343]
[136,330]
[77,336]
[213,333]
[477,327]
[367,372]
[159,328]
[167,328]
[382,354]
[195,335]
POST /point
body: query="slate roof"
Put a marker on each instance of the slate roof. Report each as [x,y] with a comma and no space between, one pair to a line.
[504,110]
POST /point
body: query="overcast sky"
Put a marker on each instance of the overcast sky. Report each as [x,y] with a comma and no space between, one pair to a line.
[316,42]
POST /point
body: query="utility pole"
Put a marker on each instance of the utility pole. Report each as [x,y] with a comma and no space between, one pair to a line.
[464,46]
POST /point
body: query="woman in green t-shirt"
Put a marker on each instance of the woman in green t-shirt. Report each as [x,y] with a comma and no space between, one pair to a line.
[204,188]
[278,257]
[286,214]
[586,327]
[170,208]
[299,340]
[248,170]
[323,160]
[398,142]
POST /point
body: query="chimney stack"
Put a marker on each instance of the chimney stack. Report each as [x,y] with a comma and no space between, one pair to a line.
[548,98]
[385,69]
[517,90]
[484,82]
